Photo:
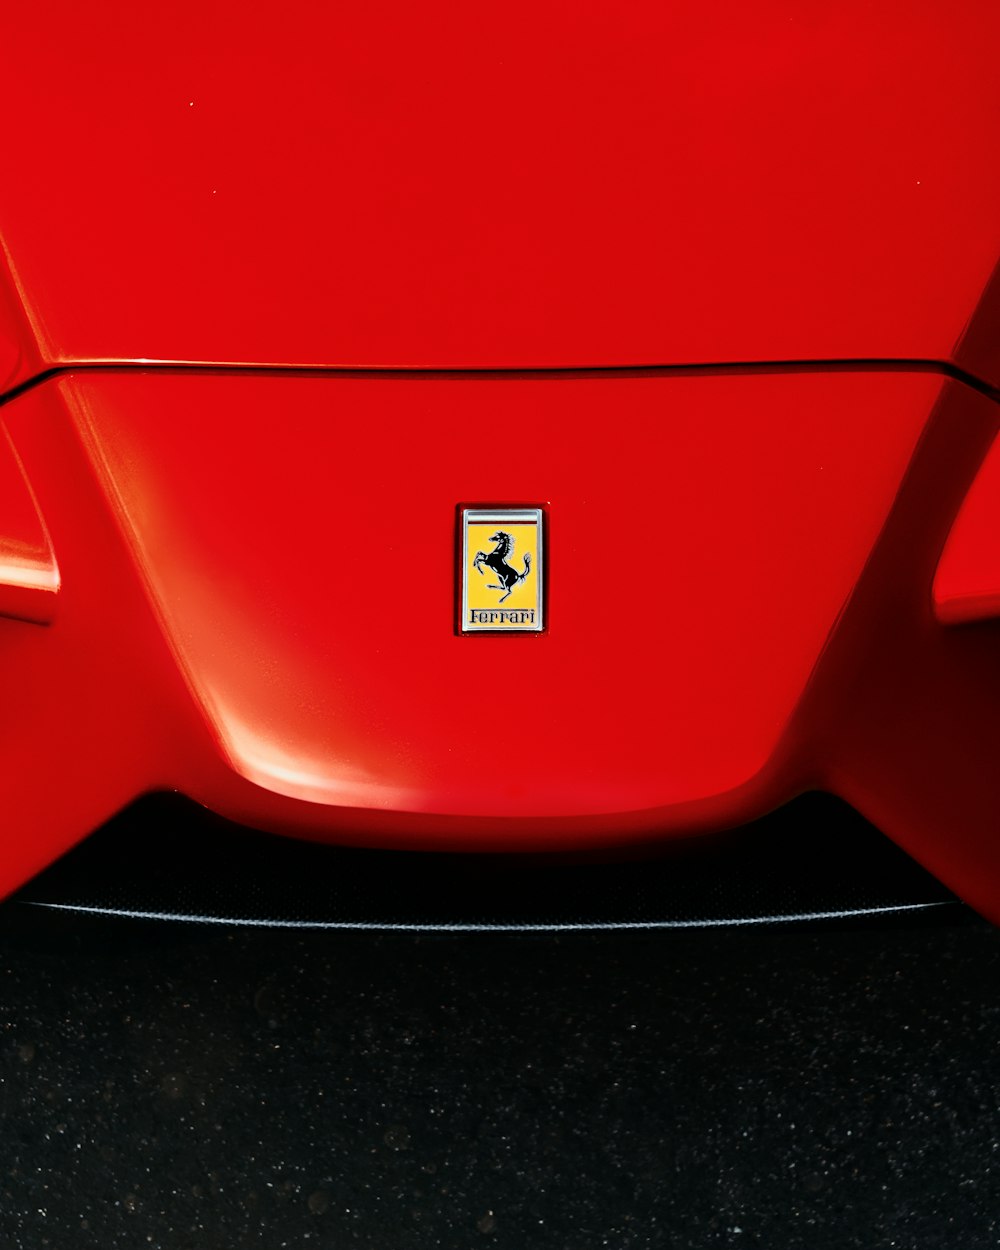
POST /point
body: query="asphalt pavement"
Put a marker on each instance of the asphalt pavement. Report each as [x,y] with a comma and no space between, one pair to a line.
[195,1087]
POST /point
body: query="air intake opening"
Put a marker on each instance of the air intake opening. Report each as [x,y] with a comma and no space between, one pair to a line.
[165,857]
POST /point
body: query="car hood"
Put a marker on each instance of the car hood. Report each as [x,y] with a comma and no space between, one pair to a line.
[447,186]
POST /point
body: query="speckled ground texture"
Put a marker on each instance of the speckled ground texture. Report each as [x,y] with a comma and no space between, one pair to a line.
[181,1086]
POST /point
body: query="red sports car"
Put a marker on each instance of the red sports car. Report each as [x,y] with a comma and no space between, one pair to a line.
[502,428]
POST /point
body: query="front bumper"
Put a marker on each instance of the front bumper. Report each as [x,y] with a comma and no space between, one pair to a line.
[256,596]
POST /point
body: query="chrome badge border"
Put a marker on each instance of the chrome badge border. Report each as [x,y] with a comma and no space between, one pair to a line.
[513,516]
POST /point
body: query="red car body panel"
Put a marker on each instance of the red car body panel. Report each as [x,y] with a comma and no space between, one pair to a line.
[454,186]
[967,581]
[711,288]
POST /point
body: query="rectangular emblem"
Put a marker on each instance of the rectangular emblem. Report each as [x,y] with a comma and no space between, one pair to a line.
[502,586]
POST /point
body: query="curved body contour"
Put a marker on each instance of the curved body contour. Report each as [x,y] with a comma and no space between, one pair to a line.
[717,295]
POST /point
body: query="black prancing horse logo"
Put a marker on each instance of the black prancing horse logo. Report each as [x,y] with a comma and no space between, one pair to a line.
[497,561]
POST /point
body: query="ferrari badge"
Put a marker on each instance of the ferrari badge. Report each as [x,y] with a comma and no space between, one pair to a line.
[501,569]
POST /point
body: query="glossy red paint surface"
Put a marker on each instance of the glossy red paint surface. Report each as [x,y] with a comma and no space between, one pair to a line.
[242,586]
[909,732]
[29,574]
[967,582]
[449,185]
[257,609]
[299,547]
